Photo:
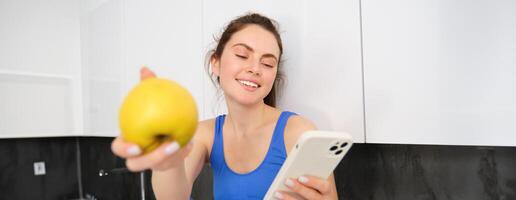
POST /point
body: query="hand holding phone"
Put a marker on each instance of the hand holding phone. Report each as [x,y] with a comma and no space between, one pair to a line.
[316,153]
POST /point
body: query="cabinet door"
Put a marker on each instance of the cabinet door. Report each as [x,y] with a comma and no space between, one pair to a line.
[440,72]
[125,35]
[321,41]
[40,68]
[165,36]
[103,50]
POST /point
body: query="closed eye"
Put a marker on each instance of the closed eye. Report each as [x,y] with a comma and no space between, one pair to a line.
[240,56]
[270,66]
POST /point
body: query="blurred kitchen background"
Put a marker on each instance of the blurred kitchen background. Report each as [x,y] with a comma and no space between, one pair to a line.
[425,87]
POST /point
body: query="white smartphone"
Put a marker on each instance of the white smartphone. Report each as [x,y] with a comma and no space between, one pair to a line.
[316,153]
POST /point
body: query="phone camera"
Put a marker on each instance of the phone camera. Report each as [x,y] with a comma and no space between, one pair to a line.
[343,145]
[338,152]
[333,148]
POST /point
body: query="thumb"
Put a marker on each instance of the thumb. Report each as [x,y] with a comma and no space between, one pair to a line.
[146,73]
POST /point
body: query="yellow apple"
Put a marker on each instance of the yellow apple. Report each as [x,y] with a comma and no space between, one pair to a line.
[155,111]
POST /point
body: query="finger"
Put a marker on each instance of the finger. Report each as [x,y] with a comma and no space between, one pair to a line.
[287,196]
[302,190]
[146,73]
[321,185]
[124,149]
[153,158]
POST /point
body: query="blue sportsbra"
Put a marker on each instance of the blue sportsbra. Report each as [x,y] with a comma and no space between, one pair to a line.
[228,184]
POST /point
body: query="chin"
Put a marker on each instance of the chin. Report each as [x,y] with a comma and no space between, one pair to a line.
[248,101]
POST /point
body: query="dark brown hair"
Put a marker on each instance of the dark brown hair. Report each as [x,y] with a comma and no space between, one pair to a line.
[238,24]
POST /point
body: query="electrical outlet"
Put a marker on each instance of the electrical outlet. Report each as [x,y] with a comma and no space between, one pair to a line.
[39,168]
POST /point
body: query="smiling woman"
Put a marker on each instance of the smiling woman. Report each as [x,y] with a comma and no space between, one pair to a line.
[266,36]
[247,63]
[247,152]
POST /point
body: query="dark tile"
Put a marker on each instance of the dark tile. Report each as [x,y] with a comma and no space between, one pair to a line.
[203,185]
[17,179]
[96,155]
[383,171]
[369,171]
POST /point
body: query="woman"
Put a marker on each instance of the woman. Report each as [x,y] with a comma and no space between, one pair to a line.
[246,147]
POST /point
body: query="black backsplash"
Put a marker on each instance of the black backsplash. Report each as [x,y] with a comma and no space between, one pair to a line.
[385,171]
[369,171]
[17,179]
[95,156]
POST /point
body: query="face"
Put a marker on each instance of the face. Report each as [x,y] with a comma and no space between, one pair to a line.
[248,65]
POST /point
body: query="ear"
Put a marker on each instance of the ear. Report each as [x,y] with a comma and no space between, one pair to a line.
[215,66]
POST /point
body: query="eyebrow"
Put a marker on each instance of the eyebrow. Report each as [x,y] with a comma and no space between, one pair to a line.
[251,49]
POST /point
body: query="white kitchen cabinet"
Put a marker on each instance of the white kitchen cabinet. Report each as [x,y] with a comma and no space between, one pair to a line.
[440,72]
[103,50]
[109,40]
[67,65]
[40,68]
[173,38]
[321,41]
[125,35]
[165,36]
[434,72]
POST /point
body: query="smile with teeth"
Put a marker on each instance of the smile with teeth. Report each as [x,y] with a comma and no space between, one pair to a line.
[249,83]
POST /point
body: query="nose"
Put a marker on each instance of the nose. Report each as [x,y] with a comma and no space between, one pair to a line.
[254,68]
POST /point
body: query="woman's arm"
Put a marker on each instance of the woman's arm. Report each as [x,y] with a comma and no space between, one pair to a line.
[174,169]
[313,188]
[177,181]
[171,183]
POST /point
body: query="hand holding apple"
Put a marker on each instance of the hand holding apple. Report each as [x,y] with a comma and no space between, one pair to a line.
[156,111]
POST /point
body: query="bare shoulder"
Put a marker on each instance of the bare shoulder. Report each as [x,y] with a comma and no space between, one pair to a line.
[295,127]
[205,125]
[297,122]
[204,131]
[204,136]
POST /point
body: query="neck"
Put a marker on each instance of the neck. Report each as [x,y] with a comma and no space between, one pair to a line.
[245,118]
